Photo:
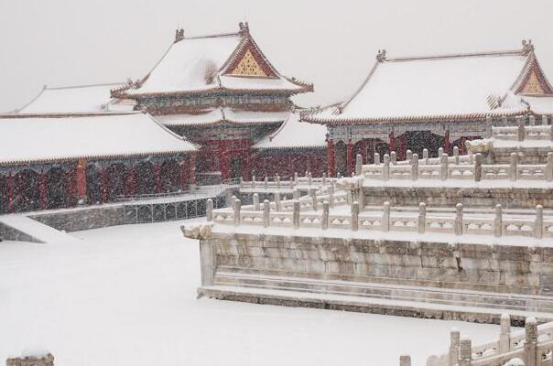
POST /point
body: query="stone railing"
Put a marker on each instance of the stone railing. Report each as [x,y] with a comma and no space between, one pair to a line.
[470,167]
[522,132]
[277,184]
[531,347]
[279,214]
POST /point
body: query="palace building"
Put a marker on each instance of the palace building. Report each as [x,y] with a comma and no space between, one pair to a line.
[62,160]
[221,92]
[412,103]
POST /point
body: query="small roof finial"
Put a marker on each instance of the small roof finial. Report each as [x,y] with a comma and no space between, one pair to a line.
[244,27]
[527,46]
[381,55]
[179,35]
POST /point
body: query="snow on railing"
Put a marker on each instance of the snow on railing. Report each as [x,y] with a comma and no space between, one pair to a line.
[522,132]
[277,184]
[531,347]
[305,213]
[469,167]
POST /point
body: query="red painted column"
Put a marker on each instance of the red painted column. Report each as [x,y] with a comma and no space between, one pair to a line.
[447,145]
[81,178]
[223,160]
[158,177]
[392,142]
[330,158]
[349,158]
[43,193]
[10,193]
[246,165]
[364,151]
[192,169]
[105,185]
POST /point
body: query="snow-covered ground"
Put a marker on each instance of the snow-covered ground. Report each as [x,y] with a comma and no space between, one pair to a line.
[127,295]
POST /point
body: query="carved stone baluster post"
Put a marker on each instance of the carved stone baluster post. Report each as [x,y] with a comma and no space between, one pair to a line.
[393,158]
[415,167]
[454,349]
[309,179]
[278,182]
[253,182]
[296,194]
[296,214]
[444,166]
[314,199]
[256,202]
[504,340]
[355,216]
[409,155]
[456,153]
[405,360]
[361,196]
[465,351]
[478,167]
[459,220]
[544,120]
[266,182]
[277,198]
[520,129]
[385,173]
[513,167]
[385,221]
[291,184]
[324,179]
[332,195]
[236,212]
[538,222]
[548,173]
[421,218]
[426,155]
[376,158]
[440,152]
[209,210]
[498,226]
[325,216]
[359,164]
[266,213]
[530,355]
[296,178]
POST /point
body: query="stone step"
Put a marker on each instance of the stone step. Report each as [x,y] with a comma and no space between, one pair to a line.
[392,307]
[399,292]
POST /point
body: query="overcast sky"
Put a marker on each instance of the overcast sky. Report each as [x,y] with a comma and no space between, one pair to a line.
[331,43]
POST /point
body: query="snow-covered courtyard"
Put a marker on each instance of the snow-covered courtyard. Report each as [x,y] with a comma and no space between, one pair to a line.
[127,295]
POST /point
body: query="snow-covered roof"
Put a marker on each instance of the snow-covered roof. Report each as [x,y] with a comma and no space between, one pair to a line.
[200,64]
[461,86]
[224,115]
[85,99]
[40,139]
[295,134]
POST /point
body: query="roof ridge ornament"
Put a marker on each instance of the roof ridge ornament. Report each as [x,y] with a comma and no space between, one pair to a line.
[528,46]
[381,55]
[244,28]
[179,35]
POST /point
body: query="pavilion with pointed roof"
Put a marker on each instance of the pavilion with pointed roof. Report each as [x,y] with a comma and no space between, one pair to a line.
[219,91]
[412,103]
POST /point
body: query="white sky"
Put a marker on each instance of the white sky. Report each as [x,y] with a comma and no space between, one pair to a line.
[331,43]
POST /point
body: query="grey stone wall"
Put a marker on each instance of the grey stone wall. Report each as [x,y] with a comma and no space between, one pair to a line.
[8,233]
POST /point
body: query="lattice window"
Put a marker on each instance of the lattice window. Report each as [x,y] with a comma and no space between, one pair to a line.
[248,66]
[533,85]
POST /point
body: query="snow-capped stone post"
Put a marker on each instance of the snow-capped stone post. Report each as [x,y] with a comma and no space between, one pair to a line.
[278,181]
[332,195]
[544,120]
[266,182]
[277,199]
[415,167]
[296,194]
[309,178]
[266,213]
[291,184]
[520,129]
[324,179]
[393,158]
[360,191]
[314,199]
[376,158]
[325,216]
[440,152]
[296,214]
[532,120]
[478,170]
[504,339]
[385,221]
[296,178]
[426,155]
[456,153]
[512,171]
[548,173]
[465,351]
[253,181]
[488,127]
[409,155]
[531,339]
[538,222]
[209,210]
[385,174]
[359,164]
[459,220]
[421,218]
[497,226]
[236,212]
[405,360]
[454,348]
[444,166]
[355,215]
[256,202]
